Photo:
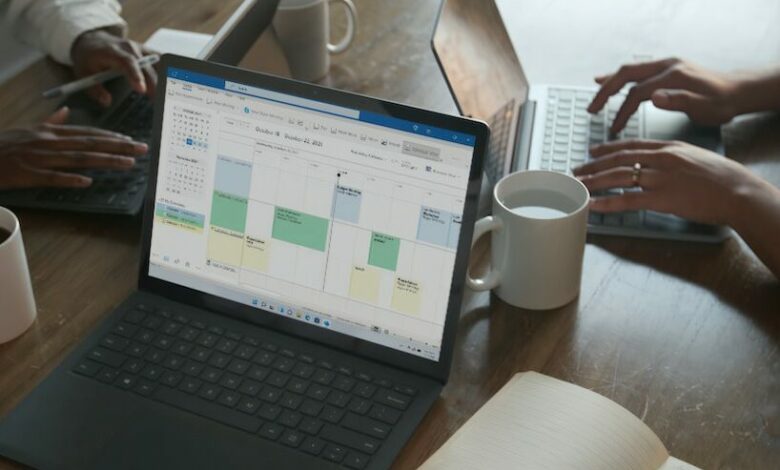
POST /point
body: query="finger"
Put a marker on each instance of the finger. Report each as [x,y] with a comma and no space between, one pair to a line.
[61,160]
[150,75]
[627,158]
[127,62]
[607,148]
[100,94]
[58,117]
[678,100]
[619,177]
[72,130]
[47,178]
[628,201]
[94,144]
[626,73]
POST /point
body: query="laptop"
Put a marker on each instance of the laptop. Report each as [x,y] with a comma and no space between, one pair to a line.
[122,191]
[544,126]
[299,289]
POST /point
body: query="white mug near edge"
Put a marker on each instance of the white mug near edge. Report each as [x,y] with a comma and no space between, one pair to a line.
[538,227]
[17,304]
[302,28]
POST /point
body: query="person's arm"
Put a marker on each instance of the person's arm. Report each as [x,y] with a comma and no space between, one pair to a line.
[691,182]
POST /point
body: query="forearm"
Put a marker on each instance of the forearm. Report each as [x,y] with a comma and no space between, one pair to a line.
[758,91]
[757,221]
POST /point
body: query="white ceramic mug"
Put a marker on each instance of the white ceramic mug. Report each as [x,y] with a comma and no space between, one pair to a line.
[303,30]
[17,304]
[538,226]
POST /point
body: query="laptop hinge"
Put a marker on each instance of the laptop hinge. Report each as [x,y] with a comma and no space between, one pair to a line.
[525,126]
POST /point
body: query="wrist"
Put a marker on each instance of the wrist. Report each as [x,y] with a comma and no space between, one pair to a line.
[747,200]
[95,36]
[755,92]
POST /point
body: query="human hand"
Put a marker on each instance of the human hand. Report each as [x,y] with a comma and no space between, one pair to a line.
[707,97]
[99,50]
[34,157]
[676,177]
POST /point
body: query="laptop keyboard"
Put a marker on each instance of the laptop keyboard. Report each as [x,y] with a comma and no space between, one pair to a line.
[307,403]
[498,147]
[112,191]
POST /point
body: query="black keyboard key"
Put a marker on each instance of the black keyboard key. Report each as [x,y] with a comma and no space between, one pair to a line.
[291,438]
[134,366]
[219,359]
[109,358]
[144,388]
[311,408]
[311,426]
[278,380]
[308,359]
[126,330]
[367,426]
[88,368]
[364,390]
[284,364]
[250,387]
[135,316]
[201,354]
[406,390]
[384,414]
[173,362]
[171,379]
[290,418]
[252,341]
[270,347]
[198,324]
[181,318]
[271,431]
[248,405]
[257,373]
[344,370]
[298,385]
[212,411]
[182,348]
[211,375]
[229,398]
[287,352]
[152,372]
[325,364]
[189,333]
[233,335]
[269,394]
[230,381]
[192,368]
[145,336]
[238,366]
[152,322]
[107,375]
[207,340]
[291,401]
[125,381]
[318,392]
[154,355]
[344,384]
[163,342]
[136,350]
[356,461]
[364,377]
[210,391]
[264,358]
[324,377]
[349,439]
[396,400]
[270,412]
[146,308]
[171,328]
[359,405]
[384,383]
[216,330]
[226,345]
[190,385]
[304,371]
[334,453]
[313,446]
[332,415]
[245,352]
[339,399]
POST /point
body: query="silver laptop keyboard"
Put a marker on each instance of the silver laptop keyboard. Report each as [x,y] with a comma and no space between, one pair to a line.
[569,129]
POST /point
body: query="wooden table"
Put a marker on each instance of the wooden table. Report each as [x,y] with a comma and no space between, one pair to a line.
[683,335]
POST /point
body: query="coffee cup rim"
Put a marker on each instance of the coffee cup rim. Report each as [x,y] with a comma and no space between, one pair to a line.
[13,230]
[554,174]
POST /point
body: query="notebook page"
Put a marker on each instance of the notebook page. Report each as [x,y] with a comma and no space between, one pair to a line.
[677,464]
[538,422]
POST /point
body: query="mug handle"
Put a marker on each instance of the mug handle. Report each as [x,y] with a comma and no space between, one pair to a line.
[493,278]
[342,45]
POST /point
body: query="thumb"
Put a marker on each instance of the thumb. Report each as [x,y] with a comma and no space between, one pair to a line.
[678,100]
[58,117]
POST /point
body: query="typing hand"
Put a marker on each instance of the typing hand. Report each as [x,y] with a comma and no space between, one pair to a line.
[675,177]
[42,155]
[98,50]
[706,97]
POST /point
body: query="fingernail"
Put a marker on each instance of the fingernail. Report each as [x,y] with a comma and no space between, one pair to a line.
[105,100]
[141,147]
[82,181]
[660,97]
[127,161]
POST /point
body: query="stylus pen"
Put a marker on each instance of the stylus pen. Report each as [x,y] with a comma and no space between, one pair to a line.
[86,82]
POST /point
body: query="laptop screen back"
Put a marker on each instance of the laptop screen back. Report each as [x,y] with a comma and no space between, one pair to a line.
[341,218]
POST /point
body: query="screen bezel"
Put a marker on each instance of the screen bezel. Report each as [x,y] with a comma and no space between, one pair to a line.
[438,370]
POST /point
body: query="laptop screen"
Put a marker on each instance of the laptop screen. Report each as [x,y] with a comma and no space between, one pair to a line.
[341,218]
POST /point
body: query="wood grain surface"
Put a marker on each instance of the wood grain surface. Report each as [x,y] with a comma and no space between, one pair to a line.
[683,335]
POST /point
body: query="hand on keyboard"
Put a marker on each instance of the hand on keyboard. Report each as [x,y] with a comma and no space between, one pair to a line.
[675,177]
[36,157]
[707,97]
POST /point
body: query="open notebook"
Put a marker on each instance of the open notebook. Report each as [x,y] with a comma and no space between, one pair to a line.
[538,422]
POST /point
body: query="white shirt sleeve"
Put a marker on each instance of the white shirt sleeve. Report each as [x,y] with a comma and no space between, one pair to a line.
[54,25]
